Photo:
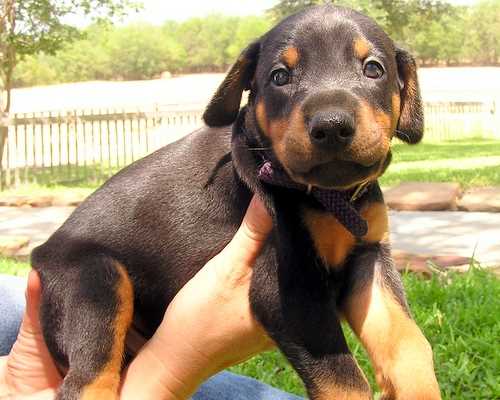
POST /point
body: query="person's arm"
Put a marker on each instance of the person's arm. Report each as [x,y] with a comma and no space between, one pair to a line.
[207,327]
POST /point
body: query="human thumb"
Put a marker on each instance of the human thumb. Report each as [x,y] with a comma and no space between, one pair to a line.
[31,321]
[251,236]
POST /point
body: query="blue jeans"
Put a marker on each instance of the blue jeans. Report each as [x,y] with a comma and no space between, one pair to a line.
[223,386]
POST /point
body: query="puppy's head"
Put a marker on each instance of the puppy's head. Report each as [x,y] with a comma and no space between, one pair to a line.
[328,91]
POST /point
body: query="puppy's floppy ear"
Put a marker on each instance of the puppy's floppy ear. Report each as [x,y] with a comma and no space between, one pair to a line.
[411,120]
[225,104]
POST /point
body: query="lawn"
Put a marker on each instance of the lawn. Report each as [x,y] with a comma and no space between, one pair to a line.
[457,312]
[470,162]
[55,190]
[13,267]
[81,180]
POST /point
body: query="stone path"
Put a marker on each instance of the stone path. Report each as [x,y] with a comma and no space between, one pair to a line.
[447,235]
[33,224]
[412,196]
[433,196]
[481,199]
[448,238]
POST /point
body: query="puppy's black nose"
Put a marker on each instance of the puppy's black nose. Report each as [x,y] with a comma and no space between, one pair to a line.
[332,128]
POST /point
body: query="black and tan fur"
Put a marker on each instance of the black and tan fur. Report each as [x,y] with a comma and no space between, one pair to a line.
[122,256]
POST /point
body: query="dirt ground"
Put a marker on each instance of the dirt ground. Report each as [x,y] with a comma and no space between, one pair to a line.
[193,91]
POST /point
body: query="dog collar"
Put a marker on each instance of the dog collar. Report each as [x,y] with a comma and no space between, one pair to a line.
[340,203]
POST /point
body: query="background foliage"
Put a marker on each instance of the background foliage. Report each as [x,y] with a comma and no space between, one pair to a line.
[437,32]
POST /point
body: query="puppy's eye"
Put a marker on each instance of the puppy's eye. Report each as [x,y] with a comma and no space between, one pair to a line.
[372,69]
[280,77]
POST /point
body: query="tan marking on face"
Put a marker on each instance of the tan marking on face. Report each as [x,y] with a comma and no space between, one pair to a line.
[106,385]
[400,354]
[333,242]
[293,139]
[290,57]
[375,214]
[261,115]
[373,132]
[273,129]
[277,129]
[382,119]
[361,48]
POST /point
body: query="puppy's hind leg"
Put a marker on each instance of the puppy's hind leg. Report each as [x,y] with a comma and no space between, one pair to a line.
[101,314]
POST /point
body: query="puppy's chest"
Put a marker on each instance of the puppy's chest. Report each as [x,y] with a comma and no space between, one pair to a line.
[333,242]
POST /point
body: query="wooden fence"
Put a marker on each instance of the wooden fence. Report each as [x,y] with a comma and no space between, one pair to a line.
[455,120]
[90,145]
[85,145]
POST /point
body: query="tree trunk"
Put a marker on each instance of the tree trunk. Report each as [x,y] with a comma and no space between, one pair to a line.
[5,109]
[4,131]
[8,53]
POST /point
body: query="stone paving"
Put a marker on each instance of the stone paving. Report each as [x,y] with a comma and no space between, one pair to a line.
[446,238]
[447,235]
[33,224]
[70,199]
[423,196]
[482,199]
[412,196]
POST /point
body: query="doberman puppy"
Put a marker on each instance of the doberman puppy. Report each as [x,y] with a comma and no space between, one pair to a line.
[328,90]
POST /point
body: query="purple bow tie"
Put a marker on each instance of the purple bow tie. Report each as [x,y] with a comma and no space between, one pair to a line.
[339,203]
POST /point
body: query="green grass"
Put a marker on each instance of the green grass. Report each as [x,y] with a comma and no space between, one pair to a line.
[35,189]
[469,162]
[458,314]
[58,180]
[465,148]
[12,267]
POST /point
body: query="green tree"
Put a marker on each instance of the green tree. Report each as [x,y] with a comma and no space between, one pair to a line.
[437,38]
[28,27]
[205,41]
[248,29]
[285,8]
[71,62]
[141,51]
[483,32]
[36,70]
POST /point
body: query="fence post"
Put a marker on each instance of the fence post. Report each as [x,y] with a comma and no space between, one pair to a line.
[4,129]
[496,119]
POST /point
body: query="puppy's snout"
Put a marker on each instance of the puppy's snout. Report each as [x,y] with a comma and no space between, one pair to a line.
[332,129]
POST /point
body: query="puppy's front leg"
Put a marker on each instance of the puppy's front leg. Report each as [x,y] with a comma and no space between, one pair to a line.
[302,320]
[377,311]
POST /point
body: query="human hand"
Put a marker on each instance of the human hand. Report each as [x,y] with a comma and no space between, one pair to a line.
[209,325]
[28,372]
